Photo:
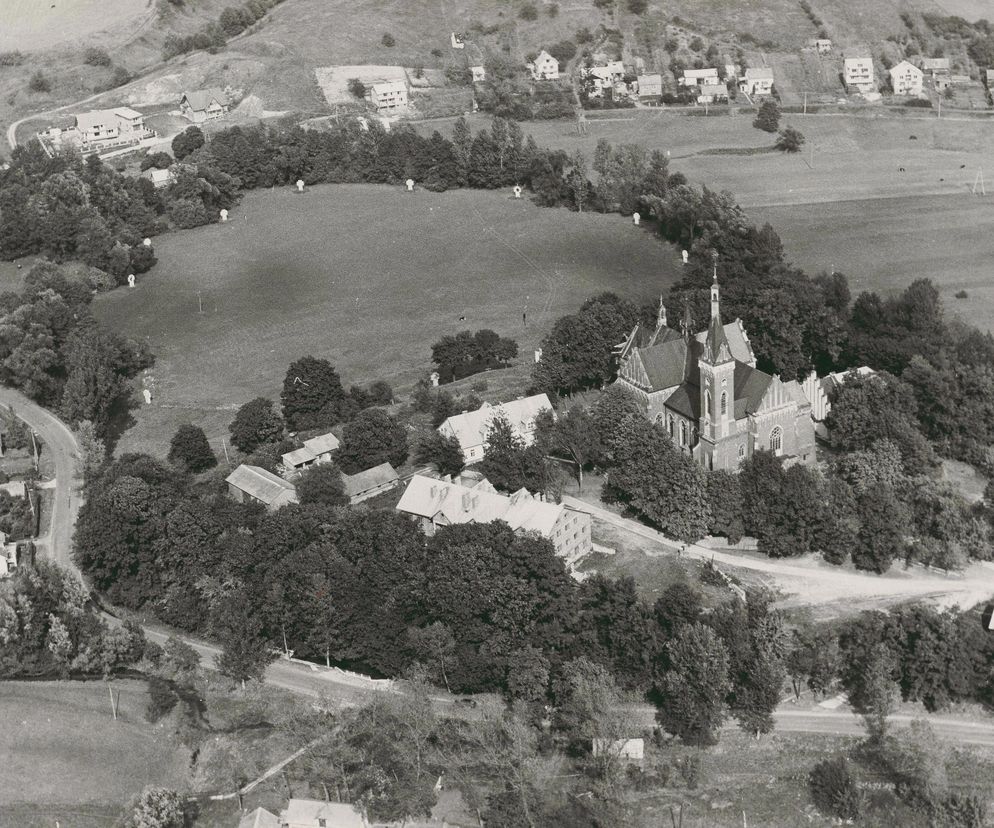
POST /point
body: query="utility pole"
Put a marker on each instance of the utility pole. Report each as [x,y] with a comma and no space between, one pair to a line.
[979,180]
[805,101]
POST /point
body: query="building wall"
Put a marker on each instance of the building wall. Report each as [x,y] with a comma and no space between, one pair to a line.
[571,535]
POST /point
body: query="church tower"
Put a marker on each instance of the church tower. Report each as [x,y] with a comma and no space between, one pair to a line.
[717,386]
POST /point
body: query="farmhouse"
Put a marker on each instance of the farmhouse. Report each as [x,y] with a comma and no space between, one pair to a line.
[369,483]
[938,70]
[757,81]
[818,391]
[906,79]
[704,389]
[712,93]
[204,105]
[434,503]
[313,813]
[316,450]
[387,96]
[544,67]
[823,45]
[699,77]
[650,86]
[858,74]
[470,428]
[479,73]
[251,483]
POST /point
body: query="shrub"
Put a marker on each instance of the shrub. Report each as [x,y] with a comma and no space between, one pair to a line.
[387,40]
[696,44]
[39,83]
[552,10]
[94,56]
[436,53]
[187,141]
[528,12]
[357,88]
[189,448]
[638,6]
[834,790]
[789,140]
[768,117]
[13,58]
[962,294]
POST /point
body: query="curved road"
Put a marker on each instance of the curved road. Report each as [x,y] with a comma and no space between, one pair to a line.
[350,689]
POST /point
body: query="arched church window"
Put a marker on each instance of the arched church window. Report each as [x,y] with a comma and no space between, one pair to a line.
[742,450]
[672,428]
[707,402]
[776,440]
[683,433]
[724,403]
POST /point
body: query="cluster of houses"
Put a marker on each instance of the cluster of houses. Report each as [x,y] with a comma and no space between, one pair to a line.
[709,86]
[313,813]
[906,78]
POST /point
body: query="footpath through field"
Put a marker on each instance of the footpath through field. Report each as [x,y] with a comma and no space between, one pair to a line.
[810,581]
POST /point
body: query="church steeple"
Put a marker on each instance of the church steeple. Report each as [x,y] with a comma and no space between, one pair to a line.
[716,348]
[717,387]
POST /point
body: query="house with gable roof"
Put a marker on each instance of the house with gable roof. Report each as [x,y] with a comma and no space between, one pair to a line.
[544,67]
[369,482]
[470,428]
[706,392]
[252,483]
[436,503]
[204,105]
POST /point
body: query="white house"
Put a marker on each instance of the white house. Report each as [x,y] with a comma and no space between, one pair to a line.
[252,483]
[102,129]
[858,74]
[436,503]
[260,818]
[204,105]
[712,93]
[757,80]
[650,86]
[544,67]
[598,78]
[470,428]
[159,178]
[906,79]
[10,556]
[388,95]
[699,77]
[313,813]
[369,483]
[823,45]
[479,73]
[457,41]
[315,451]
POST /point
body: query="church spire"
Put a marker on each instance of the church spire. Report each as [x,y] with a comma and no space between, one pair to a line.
[716,348]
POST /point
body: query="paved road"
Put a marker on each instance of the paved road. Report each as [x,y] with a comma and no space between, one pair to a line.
[349,689]
[60,444]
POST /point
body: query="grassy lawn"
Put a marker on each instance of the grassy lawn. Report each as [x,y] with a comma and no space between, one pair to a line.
[66,759]
[368,277]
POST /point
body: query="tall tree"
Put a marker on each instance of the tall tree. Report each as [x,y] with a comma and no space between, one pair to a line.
[373,437]
[189,448]
[256,423]
[322,485]
[312,393]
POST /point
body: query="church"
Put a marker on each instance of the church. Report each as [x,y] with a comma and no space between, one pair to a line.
[705,390]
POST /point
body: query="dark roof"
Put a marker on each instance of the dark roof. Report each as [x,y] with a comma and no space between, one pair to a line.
[750,388]
[665,363]
[381,475]
[686,400]
[716,347]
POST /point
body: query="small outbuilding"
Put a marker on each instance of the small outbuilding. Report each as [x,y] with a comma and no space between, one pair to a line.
[370,483]
[252,483]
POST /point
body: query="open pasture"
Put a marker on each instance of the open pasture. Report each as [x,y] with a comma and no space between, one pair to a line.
[30,25]
[66,759]
[367,277]
[885,244]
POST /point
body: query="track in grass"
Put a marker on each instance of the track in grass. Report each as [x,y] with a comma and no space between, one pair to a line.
[367,277]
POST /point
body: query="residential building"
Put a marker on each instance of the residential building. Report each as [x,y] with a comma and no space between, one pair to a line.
[369,483]
[650,86]
[757,80]
[597,79]
[316,450]
[388,95]
[858,74]
[12,556]
[159,178]
[823,45]
[699,77]
[251,483]
[712,93]
[631,749]
[204,105]
[544,67]
[705,391]
[479,73]
[457,41]
[818,391]
[436,503]
[989,76]
[470,428]
[312,813]
[260,818]
[906,79]
[121,124]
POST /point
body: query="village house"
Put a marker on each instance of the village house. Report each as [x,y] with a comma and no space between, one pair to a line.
[989,76]
[757,80]
[251,483]
[938,71]
[315,451]
[387,95]
[457,41]
[313,813]
[121,124]
[260,818]
[818,391]
[204,105]
[712,93]
[822,45]
[705,391]
[159,178]
[434,503]
[12,555]
[650,86]
[858,74]
[544,67]
[471,427]
[369,483]
[479,73]
[906,79]
[699,77]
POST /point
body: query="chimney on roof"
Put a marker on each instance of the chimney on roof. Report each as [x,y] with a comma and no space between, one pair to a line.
[466,501]
[476,501]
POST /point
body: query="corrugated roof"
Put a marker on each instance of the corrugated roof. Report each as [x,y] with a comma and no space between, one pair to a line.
[470,428]
[369,479]
[322,443]
[261,484]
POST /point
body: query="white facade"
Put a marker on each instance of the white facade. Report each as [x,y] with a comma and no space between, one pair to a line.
[479,73]
[757,81]
[544,67]
[858,73]
[471,427]
[699,77]
[388,96]
[906,79]
[650,85]
[712,93]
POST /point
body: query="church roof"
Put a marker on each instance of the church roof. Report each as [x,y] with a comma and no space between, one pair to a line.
[686,400]
[716,347]
[665,363]
[750,388]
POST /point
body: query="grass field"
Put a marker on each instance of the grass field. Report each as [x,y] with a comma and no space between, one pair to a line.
[29,24]
[66,759]
[885,244]
[368,277]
